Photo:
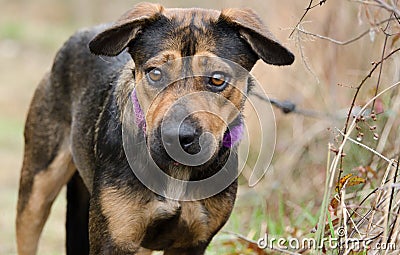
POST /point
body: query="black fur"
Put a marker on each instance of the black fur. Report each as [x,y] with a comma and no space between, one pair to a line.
[76,115]
[77,223]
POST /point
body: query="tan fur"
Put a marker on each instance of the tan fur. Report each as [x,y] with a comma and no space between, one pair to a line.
[71,104]
[194,215]
[143,251]
[249,19]
[220,208]
[127,84]
[128,217]
[185,18]
[177,189]
[141,10]
[147,94]
[155,103]
[46,186]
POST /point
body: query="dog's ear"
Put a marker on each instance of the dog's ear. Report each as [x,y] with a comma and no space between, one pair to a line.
[115,39]
[253,30]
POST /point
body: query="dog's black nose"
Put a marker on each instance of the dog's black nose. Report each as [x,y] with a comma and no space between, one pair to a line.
[187,135]
[187,138]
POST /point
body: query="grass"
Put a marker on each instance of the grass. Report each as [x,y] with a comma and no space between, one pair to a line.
[11,133]
[48,38]
[13,30]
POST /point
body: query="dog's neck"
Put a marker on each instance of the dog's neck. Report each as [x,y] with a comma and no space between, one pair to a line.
[232,136]
[139,114]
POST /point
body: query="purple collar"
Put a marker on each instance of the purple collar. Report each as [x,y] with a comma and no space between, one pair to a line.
[139,114]
[231,137]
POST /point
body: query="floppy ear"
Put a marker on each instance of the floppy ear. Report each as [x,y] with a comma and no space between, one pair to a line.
[115,39]
[252,29]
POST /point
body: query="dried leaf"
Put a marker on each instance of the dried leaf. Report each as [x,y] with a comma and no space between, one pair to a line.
[252,246]
[334,204]
[349,180]
[395,38]
[355,180]
[228,243]
[372,171]
[342,181]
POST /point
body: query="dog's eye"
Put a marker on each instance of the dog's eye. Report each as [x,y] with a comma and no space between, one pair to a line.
[218,81]
[155,75]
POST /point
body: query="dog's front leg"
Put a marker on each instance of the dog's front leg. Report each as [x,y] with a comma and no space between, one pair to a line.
[101,240]
[117,218]
[104,237]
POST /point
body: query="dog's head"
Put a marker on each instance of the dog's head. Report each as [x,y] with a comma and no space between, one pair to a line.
[191,73]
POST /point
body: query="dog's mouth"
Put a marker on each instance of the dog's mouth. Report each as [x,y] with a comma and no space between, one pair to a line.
[191,147]
[182,146]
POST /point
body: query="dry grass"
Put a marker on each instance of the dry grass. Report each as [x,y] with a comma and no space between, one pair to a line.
[297,195]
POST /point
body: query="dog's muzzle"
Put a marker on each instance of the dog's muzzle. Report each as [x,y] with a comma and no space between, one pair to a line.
[180,139]
[188,137]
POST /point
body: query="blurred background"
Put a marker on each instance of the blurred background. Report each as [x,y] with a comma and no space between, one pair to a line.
[321,81]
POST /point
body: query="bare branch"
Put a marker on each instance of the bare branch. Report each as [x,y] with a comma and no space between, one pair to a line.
[309,7]
[383,54]
[334,40]
[366,2]
[388,7]
[376,65]
[342,42]
[366,147]
[303,58]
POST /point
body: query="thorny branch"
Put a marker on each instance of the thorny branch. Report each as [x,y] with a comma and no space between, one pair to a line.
[358,88]
[394,11]
[392,8]
[353,102]
[309,7]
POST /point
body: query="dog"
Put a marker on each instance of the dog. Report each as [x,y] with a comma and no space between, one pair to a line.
[103,120]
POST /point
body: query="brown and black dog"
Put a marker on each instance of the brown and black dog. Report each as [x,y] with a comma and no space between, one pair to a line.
[104,77]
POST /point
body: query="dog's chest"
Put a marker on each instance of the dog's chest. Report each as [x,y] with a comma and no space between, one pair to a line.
[184,227]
